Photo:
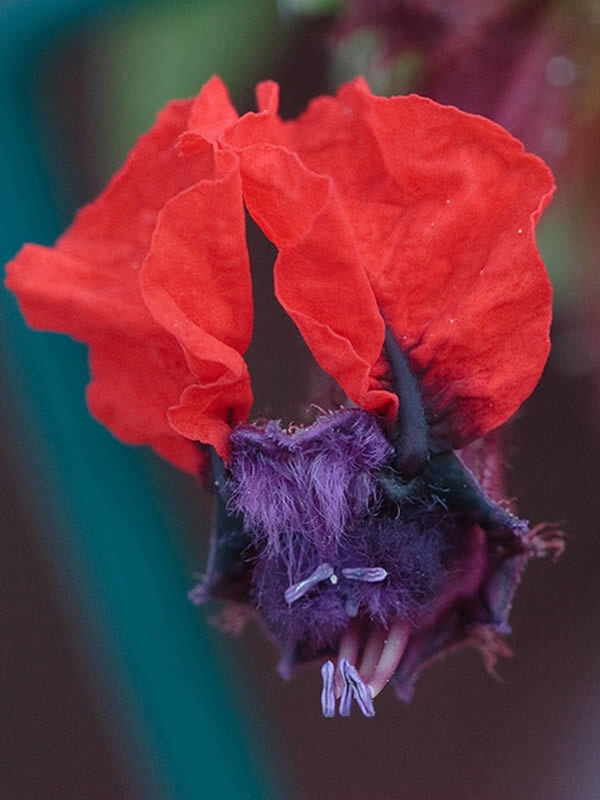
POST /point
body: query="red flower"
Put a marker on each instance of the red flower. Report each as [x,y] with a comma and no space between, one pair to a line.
[382,209]
[406,257]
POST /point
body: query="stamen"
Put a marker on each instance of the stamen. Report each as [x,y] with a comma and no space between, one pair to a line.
[368,574]
[327,693]
[352,605]
[298,590]
[348,650]
[354,687]
[391,655]
[372,653]
[347,692]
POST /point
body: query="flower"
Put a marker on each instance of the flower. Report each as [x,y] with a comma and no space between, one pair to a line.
[407,259]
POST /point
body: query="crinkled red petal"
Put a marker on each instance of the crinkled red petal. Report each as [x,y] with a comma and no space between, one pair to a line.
[153,380]
[319,278]
[212,111]
[208,412]
[67,293]
[196,283]
[462,279]
[442,206]
[382,209]
[88,285]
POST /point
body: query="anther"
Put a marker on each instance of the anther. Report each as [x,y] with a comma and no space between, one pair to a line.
[327,693]
[298,590]
[347,692]
[352,605]
[368,574]
[354,688]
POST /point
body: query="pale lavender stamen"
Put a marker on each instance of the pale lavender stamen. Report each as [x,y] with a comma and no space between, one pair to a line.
[361,690]
[352,605]
[347,692]
[354,687]
[368,574]
[298,590]
[328,691]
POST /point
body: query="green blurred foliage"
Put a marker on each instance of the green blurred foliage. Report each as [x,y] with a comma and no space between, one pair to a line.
[154,53]
[318,7]
[556,239]
[360,53]
[109,523]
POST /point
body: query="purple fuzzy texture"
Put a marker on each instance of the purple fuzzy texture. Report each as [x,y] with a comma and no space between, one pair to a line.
[324,540]
[305,486]
[420,552]
[311,497]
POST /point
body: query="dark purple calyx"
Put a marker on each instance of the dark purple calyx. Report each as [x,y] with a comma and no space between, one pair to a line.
[409,434]
[359,547]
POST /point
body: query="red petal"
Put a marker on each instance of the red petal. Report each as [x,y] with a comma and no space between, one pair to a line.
[212,111]
[319,279]
[196,283]
[114,231]
[68,294]
[464,253]
[211,115]
[207,413]
[267,96]
[87,286]
[442,205]
[133,402]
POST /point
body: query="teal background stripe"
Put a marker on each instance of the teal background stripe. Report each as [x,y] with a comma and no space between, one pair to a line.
[112,536]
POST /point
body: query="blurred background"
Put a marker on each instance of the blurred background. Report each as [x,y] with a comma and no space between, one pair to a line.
[113,685]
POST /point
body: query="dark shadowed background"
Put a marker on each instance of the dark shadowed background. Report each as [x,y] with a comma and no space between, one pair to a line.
[114,686]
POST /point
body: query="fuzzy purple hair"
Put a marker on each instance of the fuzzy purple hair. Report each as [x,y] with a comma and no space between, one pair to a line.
[311,499]
[345,557]
[304,487]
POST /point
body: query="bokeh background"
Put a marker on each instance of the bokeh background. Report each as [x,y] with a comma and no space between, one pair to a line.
[114,687]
